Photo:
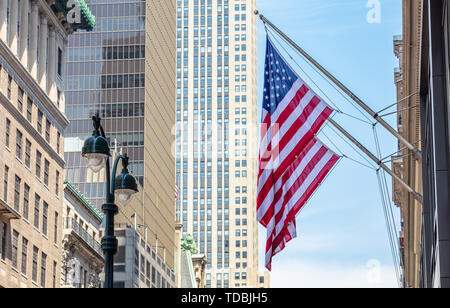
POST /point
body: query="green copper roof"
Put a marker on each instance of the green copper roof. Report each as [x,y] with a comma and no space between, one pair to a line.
[90,18]
[87,19]
[83,199]
[188,244]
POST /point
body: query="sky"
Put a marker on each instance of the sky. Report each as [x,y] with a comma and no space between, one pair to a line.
[342,239]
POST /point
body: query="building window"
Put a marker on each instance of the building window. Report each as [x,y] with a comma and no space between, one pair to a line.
[9,87]
[15,248]
[38,164]
[5,184]
[46,171]
[34,270]
[17,193]
[29,110]
[39,122]
[19,138]
[43,269]
[54,274]
[47,130]
[27,153]
[44,218]
[58,143]
[57,183]
[20,100]
[7,132]
[60,60]
[58,97]
[24,255]
[26,201]
[55,235]
[37,201]
[4,234]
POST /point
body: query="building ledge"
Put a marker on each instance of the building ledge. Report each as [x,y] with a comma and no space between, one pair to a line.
[8,212]
[83,200]
[78,235]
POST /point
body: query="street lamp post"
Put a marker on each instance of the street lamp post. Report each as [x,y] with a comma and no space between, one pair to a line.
[97,153]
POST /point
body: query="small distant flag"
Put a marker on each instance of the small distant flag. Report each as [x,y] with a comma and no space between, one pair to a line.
[176,192]
[292,162]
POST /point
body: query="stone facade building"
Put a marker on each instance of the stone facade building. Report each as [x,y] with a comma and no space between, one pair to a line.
[82,257]
[405,165]
[423,86]
[33,39]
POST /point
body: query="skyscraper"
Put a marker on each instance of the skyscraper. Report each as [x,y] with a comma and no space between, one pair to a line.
[126,70]
[216,136]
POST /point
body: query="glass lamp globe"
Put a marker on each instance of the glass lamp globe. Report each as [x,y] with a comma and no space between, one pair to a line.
[96,152]
[125,187]
[124,196]
[96,162]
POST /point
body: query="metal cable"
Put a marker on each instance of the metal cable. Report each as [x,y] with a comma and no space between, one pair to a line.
[326,80]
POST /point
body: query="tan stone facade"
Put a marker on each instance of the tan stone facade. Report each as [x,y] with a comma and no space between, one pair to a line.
[31,143]
[160,89]
[407,49]
[199,263]
[264,280]
[154,205]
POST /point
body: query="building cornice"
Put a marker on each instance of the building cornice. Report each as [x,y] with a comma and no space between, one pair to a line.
[58,11]
[82,199]
[7,211]
[53,19]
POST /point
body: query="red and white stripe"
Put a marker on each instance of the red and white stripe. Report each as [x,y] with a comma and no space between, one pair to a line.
[293,189]
[284,135]
[176,192]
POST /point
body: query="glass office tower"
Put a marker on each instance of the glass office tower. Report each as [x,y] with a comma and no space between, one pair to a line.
[126,69]
[216,136]
[106,73]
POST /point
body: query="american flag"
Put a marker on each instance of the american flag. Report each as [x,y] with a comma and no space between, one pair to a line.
[292,162]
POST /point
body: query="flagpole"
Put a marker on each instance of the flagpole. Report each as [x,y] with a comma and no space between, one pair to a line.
[402,139]
[416,195]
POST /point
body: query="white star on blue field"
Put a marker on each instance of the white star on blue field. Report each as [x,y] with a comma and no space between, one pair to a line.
[342,238]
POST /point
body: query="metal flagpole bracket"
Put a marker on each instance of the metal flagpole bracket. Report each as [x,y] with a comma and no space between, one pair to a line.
[416,195]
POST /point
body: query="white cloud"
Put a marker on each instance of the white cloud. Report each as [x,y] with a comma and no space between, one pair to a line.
[309,274]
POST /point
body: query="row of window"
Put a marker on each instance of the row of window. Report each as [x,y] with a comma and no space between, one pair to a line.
[109,8]
[80,54]
[115,24]
[28,108]
[124,81]
[23,154]
[39,259]
[23,196]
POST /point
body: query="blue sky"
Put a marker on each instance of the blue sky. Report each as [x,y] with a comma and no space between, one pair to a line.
[342,239]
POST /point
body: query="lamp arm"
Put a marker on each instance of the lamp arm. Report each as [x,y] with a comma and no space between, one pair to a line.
[112,176]
[102,132]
